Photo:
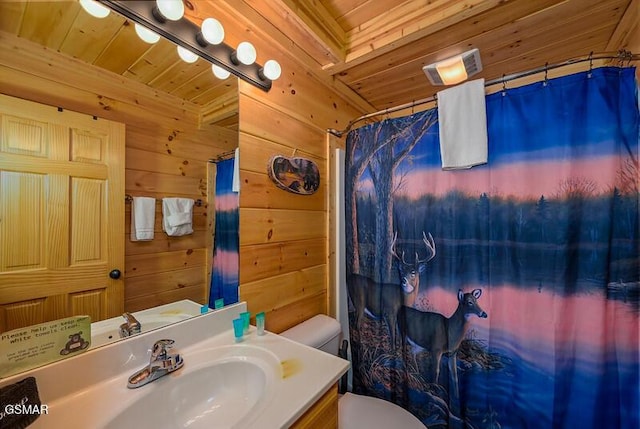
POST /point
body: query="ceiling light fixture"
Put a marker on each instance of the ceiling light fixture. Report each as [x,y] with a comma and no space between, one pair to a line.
[165,17]
[94,8]
[455,69]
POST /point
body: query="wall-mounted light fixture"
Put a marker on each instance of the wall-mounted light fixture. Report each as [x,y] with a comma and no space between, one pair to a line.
[145,34]
[455,69]
[94,8]
[165,18]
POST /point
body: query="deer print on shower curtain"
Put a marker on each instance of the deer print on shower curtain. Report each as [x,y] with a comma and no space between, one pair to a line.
[438,334]
[384,300]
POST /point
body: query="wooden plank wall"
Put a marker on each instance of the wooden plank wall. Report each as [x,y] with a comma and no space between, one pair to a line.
[166,155]
[285,244]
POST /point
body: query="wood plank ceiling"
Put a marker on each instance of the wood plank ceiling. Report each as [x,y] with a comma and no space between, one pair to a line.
[378,48]
[112,44]
[371,50]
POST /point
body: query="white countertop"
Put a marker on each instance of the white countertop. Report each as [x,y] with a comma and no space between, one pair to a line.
[90,389]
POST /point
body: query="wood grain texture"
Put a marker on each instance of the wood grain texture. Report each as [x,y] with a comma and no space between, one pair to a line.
[279,291]
[282,318]
[351,47]
[58,224]
[323,414]
[87,89]
[283,236]
[163,262]
[194,293]
[277,226]
[166,155]
[259,191]
[266,260]
[141,286]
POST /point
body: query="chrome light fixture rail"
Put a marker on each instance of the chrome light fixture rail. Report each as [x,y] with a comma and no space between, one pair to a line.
[185,34]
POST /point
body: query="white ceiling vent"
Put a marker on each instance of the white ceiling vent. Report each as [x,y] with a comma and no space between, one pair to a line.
[455,69]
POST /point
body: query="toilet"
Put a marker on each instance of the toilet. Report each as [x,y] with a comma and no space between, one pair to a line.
[354,411]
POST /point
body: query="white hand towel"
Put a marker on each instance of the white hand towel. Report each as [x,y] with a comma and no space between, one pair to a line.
[177,216]
[235,186]
[462,117]
[143,216]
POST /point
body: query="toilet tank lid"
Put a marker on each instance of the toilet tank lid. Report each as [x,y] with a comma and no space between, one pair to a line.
[314,332]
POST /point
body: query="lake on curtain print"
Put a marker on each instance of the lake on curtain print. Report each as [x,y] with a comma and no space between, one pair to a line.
[543,240]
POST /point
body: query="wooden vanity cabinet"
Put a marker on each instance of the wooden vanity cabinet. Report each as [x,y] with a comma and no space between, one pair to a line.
[323,414]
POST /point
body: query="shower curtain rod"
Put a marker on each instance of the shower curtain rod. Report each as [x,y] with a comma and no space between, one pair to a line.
[621,56]
[224,156]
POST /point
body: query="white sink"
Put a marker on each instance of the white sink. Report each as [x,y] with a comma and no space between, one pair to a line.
[223,387]
[263,382]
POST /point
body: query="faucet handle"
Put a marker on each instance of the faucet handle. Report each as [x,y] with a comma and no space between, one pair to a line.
[160,364]
[159,349]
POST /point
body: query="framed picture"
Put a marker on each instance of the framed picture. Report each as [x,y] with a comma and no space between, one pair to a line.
[297,175]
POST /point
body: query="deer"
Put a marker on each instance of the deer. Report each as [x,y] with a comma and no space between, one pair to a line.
[438,334]
[384,300]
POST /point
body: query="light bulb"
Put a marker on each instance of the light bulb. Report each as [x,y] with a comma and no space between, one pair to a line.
[94,8]
[219,72]
[186,55]
[145,34]
[246,53]
[452,71]
[171,9]
[212,31]
[271,70]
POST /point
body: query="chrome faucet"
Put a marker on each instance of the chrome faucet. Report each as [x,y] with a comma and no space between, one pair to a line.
[160,364]
[130,326]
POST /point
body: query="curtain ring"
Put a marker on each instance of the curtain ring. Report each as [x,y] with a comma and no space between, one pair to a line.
[628,55]
[413,107]
[590,64]
[504,86]
[546,74]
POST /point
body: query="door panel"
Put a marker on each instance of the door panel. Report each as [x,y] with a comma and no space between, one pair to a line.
[24,136]
[61,214]
[21,210]
[87,233]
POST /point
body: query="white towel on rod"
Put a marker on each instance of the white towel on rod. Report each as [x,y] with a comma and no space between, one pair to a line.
[177,216]
[462,118]
[235,186]
[143,217]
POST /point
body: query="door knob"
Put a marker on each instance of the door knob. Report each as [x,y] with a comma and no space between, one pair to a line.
[115,274]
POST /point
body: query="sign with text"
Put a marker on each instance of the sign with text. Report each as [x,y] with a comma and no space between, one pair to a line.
[36,345]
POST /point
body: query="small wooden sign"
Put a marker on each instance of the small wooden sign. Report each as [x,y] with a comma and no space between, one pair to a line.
[36,345]
[298,175]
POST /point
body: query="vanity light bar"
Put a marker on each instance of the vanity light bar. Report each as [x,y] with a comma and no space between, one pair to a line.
[185,33]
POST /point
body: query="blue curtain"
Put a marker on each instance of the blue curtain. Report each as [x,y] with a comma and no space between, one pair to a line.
[224,278]
[507,295]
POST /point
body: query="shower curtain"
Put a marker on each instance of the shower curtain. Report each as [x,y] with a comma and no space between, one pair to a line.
[507,295]
[224,278]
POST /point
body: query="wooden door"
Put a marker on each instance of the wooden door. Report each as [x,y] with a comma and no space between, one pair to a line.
[61,214]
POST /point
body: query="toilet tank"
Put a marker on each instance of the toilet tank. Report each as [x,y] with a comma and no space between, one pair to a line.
[321,332]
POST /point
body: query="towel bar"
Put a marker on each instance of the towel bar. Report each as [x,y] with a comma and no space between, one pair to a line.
[128,198]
